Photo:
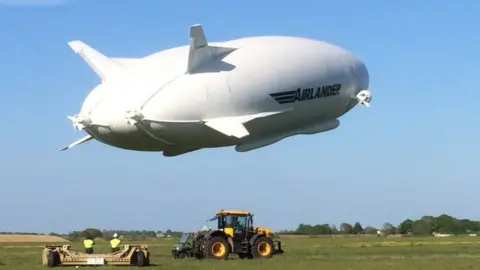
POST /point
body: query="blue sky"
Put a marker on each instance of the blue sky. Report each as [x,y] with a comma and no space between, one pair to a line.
[412,153]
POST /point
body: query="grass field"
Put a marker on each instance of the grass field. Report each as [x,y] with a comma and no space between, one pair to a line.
[303,253]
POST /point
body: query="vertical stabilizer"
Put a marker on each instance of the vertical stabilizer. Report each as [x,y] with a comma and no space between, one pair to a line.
[200,52]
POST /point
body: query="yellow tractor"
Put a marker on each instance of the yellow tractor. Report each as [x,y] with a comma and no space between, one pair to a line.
[235,233]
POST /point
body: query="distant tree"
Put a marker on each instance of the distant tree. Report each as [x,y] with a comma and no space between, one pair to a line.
[370,230]
[469,226]
[447,224]
[357,228]
[345,228]
[388,228]
[323,229]
[304,229]
[406,226]
[333,229]
[422,227]
[91,232]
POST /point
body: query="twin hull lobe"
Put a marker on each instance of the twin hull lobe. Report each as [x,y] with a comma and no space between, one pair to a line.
[153,118]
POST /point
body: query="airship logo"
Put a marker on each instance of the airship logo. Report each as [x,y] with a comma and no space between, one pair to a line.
[307,93]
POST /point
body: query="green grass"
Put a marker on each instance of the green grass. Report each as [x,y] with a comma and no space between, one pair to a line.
[309,253]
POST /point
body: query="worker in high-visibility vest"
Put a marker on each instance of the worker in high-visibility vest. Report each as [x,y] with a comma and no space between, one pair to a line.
[88,243]
[115,242]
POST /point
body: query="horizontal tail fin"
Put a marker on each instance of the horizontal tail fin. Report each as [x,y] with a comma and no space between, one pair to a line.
[101,64]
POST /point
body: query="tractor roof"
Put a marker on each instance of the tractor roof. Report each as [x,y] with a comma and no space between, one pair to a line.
[232,212]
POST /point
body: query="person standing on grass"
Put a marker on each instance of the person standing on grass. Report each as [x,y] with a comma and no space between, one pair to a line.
[115,242]
[88,244]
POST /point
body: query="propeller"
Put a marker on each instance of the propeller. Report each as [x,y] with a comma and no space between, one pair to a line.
[82,140]
[79,122]
[364,97]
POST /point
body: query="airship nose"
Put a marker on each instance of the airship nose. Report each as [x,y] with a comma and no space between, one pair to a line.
[362,76]
[362,94]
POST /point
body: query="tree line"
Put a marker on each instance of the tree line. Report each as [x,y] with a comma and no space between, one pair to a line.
[107,234]
[424,226]
[128,234]
[427,225]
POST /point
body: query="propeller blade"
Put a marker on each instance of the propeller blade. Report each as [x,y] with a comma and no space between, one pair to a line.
[82,140]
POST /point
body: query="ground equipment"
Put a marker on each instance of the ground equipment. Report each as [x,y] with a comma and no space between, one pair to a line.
[185,247]
[63,255]
[235,233]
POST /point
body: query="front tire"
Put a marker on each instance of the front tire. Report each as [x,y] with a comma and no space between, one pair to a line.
[262,248]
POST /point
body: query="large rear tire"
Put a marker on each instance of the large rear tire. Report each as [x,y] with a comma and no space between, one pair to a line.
[216,248]
[262,248]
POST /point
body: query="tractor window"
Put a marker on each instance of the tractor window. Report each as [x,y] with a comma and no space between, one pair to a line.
[225,221]
[184,238]
[228,221]
[242,222]
[221,222]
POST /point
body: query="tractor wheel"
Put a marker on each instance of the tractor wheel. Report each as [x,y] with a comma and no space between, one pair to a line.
[51,260]
[216,248]
[199,247]
[147,259]
[262,248]
[182,255]
[140,258]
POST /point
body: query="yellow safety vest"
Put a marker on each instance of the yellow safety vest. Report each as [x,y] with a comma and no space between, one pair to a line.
[115,242]
[88,243]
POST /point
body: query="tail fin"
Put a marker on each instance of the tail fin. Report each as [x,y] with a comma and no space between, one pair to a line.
[200,52]
[99,63]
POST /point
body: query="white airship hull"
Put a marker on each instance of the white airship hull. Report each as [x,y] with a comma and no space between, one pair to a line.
[248,93]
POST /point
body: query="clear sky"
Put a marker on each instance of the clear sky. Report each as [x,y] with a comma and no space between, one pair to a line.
[412,153]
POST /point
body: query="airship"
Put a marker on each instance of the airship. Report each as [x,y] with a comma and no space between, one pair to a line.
[245,93]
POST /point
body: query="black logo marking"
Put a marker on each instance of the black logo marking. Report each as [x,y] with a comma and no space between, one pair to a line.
[307,93]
